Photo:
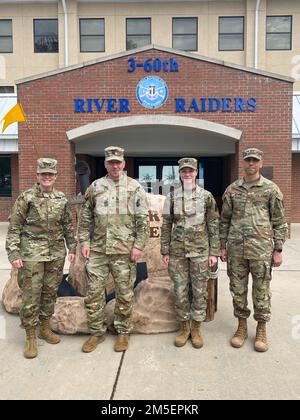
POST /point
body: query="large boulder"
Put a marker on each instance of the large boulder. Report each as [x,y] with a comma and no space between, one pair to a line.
[153,310]
[152,254]
[69,316]
[12,294]
[77,274]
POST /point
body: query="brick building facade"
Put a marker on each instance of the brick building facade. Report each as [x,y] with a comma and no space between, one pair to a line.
[229,109]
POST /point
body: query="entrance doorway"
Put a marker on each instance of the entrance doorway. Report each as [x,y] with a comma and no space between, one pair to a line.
[211,171]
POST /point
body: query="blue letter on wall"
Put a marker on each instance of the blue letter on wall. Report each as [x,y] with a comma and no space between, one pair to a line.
[79,105]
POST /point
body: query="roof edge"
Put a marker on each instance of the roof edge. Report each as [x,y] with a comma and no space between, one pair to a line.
[159,48]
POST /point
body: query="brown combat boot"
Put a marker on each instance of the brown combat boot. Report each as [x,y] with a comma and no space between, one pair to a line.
[30,349]
[46,333]
[261,343]
[241,334]
[185,332]
[90,344]
[197,339]
[122,342]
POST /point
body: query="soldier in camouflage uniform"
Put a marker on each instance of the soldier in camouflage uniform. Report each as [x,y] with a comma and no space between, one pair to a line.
[189,246]
[252,233]
[117,206]
[40,223]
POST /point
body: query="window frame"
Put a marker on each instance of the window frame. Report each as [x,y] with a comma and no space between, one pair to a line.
[10,166]
[231,33]
[8,87]
[100,36]
[8,36]
[34,36]
[291,34]
[126,30]
[196,34]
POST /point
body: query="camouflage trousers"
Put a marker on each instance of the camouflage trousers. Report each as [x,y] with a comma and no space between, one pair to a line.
[189,273]
[238,270]
[123,271]
[39,282]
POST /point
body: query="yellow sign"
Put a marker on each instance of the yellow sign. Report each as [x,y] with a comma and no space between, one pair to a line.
[16,114]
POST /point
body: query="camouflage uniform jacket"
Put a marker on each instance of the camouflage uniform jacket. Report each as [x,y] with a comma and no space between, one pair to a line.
[40,223]
[190,224]
[118,212]
[252,220]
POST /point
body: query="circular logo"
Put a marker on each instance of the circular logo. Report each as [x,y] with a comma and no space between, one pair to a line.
[152,92]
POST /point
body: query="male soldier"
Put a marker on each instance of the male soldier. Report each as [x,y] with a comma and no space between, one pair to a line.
[40,223]
[116,205]
[252,233]
[189,246]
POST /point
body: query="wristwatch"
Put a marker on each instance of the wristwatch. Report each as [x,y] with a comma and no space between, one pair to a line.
[277,250]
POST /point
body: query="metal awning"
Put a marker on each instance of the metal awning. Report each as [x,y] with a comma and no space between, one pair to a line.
[296,122]
[8,139]
[296,115]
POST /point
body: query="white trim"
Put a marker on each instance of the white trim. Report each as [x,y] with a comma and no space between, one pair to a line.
[8,145]
[66,33]
[158,48]
[78,134]
[296,145]
[256,33]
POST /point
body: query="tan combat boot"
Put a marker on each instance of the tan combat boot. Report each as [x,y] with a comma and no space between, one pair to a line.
[46,333]
[30,349]
[185,332]
[261,343]
[197,339]
[90,344]
[122,342]
[241,334]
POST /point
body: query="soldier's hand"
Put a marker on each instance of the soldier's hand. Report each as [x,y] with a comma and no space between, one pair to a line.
[277,259]
[212,261]
[223,255]
[71,257]
[17,263]
[135,254]
[166,259]
[85,251]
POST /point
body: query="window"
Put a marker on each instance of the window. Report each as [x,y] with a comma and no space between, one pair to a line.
[7,89]
[6,42]
[45,35]
[5,176]
[185,34]
[92,35]
[279,33]
[138,33]
[231,33]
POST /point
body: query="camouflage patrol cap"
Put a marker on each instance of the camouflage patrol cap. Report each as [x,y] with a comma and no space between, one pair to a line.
[252,152]
[46,165]
[114,153]
[187,163]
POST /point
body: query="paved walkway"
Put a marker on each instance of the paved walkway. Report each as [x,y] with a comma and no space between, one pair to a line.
[152,368]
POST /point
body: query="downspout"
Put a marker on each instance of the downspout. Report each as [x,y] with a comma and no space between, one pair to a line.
[66,33]
[256,34]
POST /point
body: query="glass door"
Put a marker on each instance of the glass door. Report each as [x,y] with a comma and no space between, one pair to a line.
[156,175]
[147,176]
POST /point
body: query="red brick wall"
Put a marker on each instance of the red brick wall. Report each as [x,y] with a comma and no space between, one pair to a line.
[295,213]
[49,107]
[5,206]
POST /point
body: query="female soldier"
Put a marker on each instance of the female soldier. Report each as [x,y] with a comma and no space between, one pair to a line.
[40,223]
[189,246]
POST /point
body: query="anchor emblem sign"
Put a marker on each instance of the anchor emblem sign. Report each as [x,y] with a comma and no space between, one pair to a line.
[152,92]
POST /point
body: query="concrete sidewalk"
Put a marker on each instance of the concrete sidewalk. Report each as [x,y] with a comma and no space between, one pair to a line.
[152,368]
